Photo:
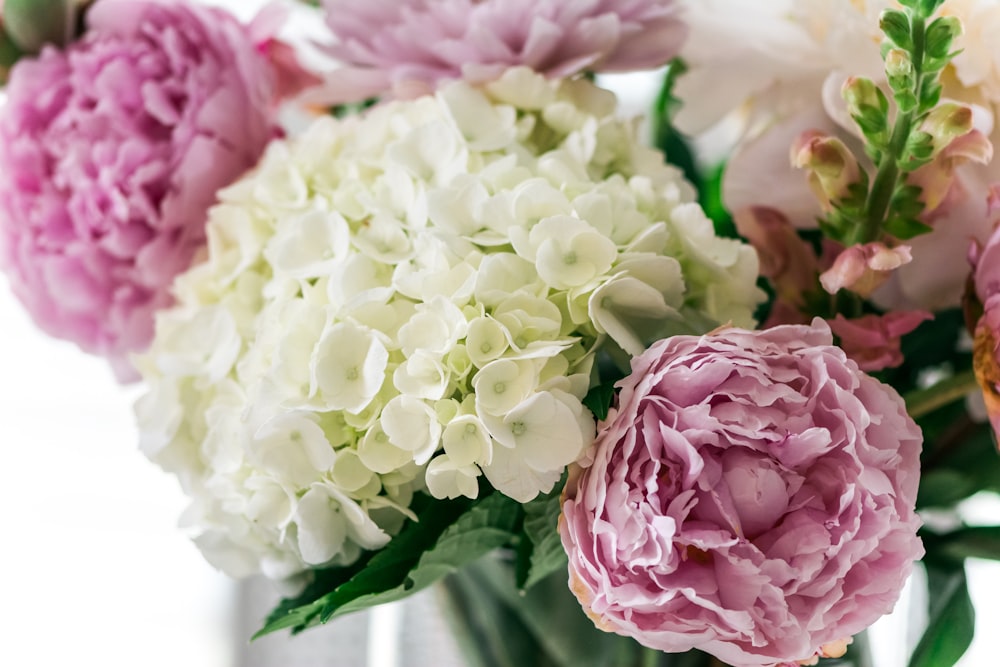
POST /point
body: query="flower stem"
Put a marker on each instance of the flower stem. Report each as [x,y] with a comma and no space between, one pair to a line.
[924,401]
[650,657]
[887,176]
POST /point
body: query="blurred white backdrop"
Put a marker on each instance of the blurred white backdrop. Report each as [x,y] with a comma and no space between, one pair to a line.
[93,569]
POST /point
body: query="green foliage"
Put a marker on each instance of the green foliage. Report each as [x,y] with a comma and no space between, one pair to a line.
[951,619]
[968,542]
[540,552]
[9,54]
[599,399]
[448,535]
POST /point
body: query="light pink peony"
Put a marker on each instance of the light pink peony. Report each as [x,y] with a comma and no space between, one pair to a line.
[751,495]
[110,155]
[408,47]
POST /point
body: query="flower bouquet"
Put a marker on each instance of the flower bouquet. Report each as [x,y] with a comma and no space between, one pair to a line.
[622,402]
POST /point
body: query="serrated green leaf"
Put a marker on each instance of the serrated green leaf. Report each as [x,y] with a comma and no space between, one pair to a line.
[906,228]
[951,620]
[436,546]
[541,519]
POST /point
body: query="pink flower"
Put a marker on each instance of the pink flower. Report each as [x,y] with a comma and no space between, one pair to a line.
[408,47]
[872,341]
[110,155]
[863,268]
[986,347]
[751,495]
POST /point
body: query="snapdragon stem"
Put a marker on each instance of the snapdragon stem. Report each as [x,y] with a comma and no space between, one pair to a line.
[887,176]
[925,401]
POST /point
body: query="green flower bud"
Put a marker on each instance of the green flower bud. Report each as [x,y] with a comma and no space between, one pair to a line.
[31,24]
[941,33]
[896,26]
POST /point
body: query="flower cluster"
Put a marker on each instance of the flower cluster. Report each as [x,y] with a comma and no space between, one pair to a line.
[789,80]
[751,494]
[410,47]
[412,299]
[111,152]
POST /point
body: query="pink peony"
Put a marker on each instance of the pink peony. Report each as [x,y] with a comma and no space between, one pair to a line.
[110,155]
[986,348]
[408,47]
[751,495]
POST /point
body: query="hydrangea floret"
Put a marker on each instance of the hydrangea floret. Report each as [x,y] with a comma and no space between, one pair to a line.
[413,299]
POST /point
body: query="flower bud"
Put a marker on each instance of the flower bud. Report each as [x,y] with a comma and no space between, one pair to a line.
[861,93]
[896,26]
[898,64]
[947,122]
[831,165]
[863,268]
[940,35]
[33,23]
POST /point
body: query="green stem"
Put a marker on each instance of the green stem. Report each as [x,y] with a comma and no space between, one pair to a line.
[650,657]
[887,176]
[924,401]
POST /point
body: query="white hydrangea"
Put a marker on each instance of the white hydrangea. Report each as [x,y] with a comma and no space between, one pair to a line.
[411,300]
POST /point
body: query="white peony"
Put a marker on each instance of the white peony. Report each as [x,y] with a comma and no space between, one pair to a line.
[413,299]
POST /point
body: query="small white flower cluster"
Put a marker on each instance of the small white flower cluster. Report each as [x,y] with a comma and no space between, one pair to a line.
[412,299]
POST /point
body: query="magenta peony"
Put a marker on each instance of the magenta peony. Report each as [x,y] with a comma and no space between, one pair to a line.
[110,155]
[751,495]
[408,47]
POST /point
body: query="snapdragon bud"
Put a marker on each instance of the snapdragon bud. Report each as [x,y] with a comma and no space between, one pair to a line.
[902,78]
[947,122]
[831,165]
[941,33]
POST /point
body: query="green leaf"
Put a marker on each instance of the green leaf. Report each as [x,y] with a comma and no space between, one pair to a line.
[598,400]
[971,542]
[35,23]
[951,621]
[541,519]
[904,228]
[9,54]
[448,535]
[943,488]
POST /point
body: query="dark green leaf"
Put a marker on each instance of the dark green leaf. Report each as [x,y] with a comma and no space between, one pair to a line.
[448,535]
[943,488]
[541,519]
[951,620]
[598,400]
[9,54]
[971,542]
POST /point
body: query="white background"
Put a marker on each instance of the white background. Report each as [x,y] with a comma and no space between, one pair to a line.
[92,567]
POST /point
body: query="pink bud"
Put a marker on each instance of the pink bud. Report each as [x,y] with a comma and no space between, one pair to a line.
[863,268]
[872,341]
[936,178]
